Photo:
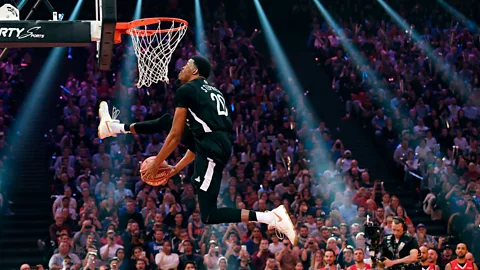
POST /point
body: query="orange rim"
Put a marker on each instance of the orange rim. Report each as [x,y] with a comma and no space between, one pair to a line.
[128,27]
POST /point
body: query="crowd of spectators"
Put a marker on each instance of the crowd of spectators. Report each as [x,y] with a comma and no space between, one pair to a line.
[105,216]
[421,104]
[12,92]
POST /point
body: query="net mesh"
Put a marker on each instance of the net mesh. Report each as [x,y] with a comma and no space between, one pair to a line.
[154,50]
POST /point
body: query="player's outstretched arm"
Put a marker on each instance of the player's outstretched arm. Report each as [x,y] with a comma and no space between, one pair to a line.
[171,142]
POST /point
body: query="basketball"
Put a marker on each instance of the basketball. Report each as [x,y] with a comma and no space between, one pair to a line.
[160,178]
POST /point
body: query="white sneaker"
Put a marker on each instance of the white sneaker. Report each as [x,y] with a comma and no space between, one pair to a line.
[284,224]
[104,130]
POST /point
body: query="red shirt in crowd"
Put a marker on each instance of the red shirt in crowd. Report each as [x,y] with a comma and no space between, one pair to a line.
[456,266]
[367,267]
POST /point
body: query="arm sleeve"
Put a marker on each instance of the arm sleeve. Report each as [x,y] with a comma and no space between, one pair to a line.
[183,96]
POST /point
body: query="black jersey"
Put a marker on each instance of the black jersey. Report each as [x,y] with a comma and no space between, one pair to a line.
[207,110]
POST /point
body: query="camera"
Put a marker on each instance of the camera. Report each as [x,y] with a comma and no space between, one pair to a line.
[373,231]
[373,234]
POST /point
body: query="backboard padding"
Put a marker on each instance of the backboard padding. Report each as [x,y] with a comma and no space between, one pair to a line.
[29,34]
[108,17]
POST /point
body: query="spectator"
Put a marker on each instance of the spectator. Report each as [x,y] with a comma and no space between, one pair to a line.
[166,259]
[189,255]
[260,258]
[109,250]
[63,254]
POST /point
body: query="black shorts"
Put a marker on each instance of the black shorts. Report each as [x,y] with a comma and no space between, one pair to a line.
[212,152]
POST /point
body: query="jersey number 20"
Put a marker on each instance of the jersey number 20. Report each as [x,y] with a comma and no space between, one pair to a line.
[221,108]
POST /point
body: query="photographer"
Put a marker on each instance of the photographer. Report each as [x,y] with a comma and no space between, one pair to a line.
[109,250]
[272,264]
[400,250]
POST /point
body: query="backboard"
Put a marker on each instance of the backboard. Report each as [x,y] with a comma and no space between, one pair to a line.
[18,33]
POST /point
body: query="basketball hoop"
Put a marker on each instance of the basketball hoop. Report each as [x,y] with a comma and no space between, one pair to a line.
[154,41]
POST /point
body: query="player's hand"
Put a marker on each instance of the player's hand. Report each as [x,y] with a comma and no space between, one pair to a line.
[151,171]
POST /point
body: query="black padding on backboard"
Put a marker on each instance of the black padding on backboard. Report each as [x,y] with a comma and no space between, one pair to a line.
[109,22]
[31,34]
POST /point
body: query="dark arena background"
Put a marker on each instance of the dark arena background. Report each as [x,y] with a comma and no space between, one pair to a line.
[342,111]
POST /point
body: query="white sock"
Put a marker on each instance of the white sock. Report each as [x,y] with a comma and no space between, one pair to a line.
[117,128]
[266,218]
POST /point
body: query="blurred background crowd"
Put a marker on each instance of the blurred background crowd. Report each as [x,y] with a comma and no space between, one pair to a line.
[422,114]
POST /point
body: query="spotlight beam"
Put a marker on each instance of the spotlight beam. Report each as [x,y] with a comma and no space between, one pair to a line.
[472,26]
[21,4]
[439,62]
[43,83]
[356,56]
[129,62]
[286,74]
[138,10]
[200,30]
[409,29]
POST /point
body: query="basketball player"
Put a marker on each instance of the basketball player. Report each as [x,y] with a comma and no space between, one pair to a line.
[359,256]
[461,262]
[201,107]
[424,263]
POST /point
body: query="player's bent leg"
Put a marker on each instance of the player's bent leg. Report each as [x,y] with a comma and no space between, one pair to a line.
[207,179]
[278,218]
[210,214]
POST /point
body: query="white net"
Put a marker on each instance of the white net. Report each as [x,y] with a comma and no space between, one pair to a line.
[154,49]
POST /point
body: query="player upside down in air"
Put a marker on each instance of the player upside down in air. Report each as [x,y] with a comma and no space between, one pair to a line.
[201,117]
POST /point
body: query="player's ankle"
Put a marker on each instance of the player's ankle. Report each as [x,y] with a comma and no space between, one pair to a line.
[117,128]
[265,217]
